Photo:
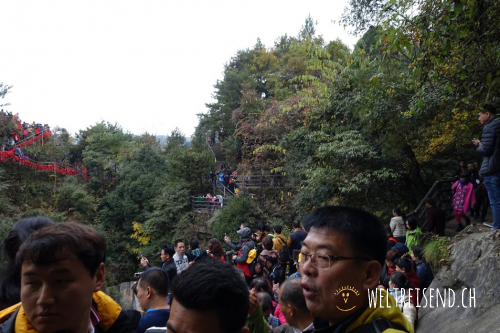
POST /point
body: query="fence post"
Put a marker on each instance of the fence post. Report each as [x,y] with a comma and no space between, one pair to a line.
[55,177]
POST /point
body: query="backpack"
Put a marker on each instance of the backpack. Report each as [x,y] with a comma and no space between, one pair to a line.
[277,274]
[252,260]
[284,253]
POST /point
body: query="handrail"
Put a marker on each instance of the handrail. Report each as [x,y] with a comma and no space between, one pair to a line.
[210,147]
[6,156]
[20,142]
[434,193]
[261,181]
[203,203]
[223,188]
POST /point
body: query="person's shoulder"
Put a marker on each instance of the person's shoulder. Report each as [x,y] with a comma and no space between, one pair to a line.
[391,312]
[8,318]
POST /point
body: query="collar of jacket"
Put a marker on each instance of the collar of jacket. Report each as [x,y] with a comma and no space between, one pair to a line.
[107,308]
[391,312]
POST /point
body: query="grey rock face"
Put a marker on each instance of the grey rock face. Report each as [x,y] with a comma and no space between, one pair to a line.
[475,266]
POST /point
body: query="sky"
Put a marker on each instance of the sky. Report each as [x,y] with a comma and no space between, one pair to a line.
[149,66]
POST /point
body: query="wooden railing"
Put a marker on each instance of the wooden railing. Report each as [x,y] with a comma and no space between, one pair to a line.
[441,193]
[260,181]
[205,205]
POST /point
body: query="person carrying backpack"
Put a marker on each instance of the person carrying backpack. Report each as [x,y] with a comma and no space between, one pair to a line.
[280,245]
[247,244]
[267,262]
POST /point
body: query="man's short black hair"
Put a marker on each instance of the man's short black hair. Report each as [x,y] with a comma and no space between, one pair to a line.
[291,293]
[157,279]
[177,241]
[296,224]
[277,229]
[367,236]
[214,286]
[265,301]
[490,108]
[55,242]
[430,201]
[194,243]
[168,249]
[417,251]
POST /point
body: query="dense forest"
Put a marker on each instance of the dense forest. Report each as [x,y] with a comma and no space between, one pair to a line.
[372,127]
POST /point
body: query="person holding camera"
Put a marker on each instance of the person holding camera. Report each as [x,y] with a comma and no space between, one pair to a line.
[167,261]
[194,252]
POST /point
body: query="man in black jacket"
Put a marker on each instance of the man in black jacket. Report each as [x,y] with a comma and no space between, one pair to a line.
[167,261]
[294,243]
[489,148]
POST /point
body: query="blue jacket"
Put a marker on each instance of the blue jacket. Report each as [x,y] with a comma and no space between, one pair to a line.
[490,147]
[424,274]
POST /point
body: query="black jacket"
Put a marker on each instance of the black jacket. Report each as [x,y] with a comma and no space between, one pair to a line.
[169,268]
[490,147]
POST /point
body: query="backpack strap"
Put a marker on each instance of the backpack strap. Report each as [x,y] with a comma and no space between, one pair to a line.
[423,264]
[379,325]
[283,243]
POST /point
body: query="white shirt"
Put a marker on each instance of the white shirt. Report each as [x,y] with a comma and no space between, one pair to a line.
[180,263]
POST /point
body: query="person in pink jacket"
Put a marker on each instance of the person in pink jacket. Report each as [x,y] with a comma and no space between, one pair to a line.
[462,200]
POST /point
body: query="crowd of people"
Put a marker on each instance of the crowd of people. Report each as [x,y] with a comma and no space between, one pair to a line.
[22,131]
[470,195]
[335,257]
[56,271]
[25,135]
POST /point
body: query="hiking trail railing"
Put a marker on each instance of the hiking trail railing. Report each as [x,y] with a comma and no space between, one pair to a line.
[64,170]
[260,182]
[441,193]
[45,134]
[206,205]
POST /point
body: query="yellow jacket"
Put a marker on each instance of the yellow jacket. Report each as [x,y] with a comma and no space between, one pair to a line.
[109,311]
[391,313]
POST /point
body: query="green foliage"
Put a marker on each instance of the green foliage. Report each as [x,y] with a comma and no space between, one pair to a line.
[436,251]
[104,148]
[73,198]
[228,220]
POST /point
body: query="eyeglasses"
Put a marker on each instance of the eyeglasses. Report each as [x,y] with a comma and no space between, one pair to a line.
[324,261]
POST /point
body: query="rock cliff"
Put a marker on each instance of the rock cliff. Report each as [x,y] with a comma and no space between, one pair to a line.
[475,266]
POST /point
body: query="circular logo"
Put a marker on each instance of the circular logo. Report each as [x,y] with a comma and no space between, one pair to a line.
[346,293]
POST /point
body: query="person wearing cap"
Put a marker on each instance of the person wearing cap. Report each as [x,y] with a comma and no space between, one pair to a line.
[247,244]
[296,263]
[489,148]
[401,248]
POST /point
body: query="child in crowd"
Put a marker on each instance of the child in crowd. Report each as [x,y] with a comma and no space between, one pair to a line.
[462,200]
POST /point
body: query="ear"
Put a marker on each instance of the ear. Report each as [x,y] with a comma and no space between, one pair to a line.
[289,309]
[99,277]
[372,274]
[149,291]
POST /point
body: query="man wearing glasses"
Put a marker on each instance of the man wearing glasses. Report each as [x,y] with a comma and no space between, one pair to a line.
[342,257]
